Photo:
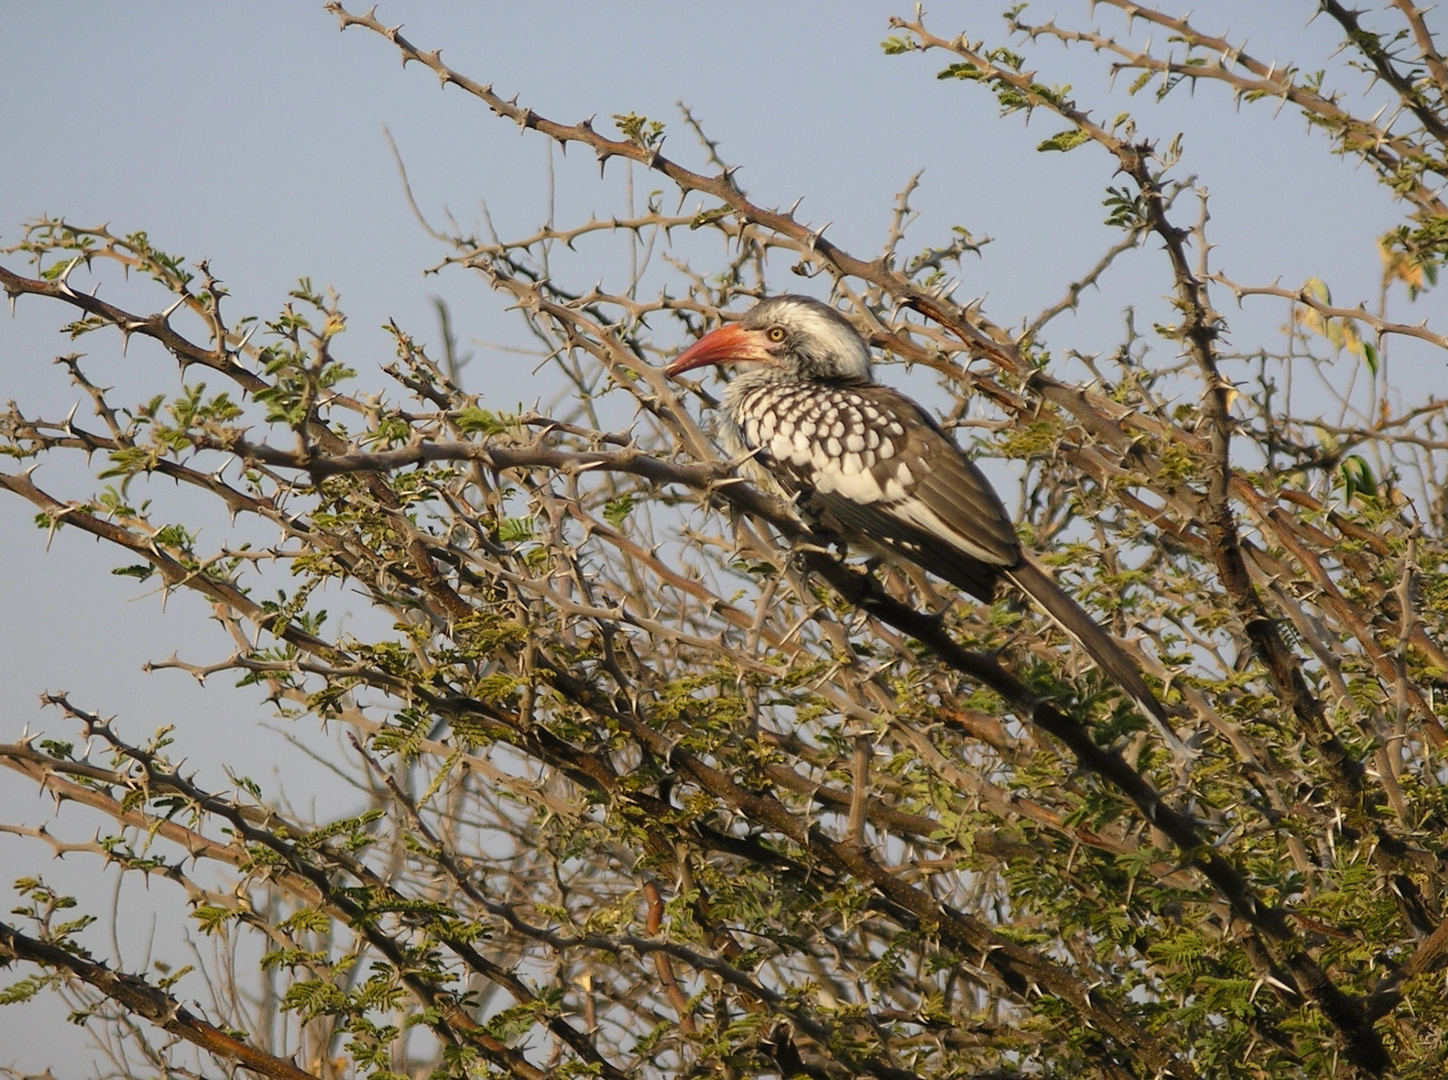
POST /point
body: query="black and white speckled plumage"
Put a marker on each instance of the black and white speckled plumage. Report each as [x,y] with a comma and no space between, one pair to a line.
[859,458]
[869,464]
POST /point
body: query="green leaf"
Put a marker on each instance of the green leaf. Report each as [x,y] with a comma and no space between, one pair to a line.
[474,420]
[22,991]
[960,71]
[1370,357]
[1357,477]
[640,130]
[708,217]
[1065,140]
[514,529]
[139,571]
[616,511]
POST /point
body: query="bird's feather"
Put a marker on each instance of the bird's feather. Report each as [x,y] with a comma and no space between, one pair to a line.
[867,463]
[870,466]
[1032,579]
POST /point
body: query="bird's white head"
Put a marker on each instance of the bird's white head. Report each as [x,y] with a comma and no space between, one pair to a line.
[795,333]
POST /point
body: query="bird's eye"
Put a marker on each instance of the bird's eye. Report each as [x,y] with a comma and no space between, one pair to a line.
[776,334]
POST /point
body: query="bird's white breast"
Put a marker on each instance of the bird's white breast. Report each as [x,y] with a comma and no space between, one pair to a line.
[833,439]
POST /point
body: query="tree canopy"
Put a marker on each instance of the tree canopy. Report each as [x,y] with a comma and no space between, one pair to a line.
[649,777]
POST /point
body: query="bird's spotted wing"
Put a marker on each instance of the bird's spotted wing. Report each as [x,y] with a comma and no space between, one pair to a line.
[870,465]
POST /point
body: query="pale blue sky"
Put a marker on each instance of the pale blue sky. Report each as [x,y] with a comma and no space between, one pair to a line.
[252,134]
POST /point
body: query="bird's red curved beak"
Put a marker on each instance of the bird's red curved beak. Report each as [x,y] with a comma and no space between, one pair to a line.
[722,346]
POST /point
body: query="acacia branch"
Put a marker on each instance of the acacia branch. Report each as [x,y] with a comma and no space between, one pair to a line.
[985,339]
[1368,44]
[1381,327]
[137,997]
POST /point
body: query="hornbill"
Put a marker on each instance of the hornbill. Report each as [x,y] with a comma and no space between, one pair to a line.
[873,468]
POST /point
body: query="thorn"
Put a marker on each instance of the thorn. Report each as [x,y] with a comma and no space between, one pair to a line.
[1281,985]
[815,235]
[63,283]
[166,315]
[242,344]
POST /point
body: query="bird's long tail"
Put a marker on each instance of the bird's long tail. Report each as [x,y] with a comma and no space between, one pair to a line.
[1107,655]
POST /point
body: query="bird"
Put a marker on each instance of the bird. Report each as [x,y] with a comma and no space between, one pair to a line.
[873,468]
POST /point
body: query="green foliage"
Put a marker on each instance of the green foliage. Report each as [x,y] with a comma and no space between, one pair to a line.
[1065,140]
[616,511]
[1125,209]
[1356,476]
[139,571]
[626,787]
[475,420]
[640,130]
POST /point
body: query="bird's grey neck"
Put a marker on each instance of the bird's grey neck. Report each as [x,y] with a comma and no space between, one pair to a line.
[775,375]
[761,375]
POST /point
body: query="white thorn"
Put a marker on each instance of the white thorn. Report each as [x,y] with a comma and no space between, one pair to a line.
[63,282]
[242,344]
